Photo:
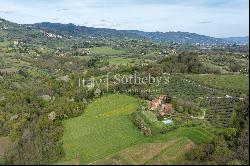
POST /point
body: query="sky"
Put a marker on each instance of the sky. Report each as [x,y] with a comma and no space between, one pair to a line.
[217,18]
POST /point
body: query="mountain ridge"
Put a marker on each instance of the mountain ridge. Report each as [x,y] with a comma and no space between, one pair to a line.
[176,37]
[179,37]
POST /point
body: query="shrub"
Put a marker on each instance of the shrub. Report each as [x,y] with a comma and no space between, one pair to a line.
[138,121]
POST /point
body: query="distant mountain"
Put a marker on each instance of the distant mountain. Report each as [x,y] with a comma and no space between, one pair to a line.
[238,40]
[179,37]
[77,31]
[30,30]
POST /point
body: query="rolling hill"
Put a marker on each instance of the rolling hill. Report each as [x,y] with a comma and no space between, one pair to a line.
[178,37]
[83,31]
[239,40]
[104,134]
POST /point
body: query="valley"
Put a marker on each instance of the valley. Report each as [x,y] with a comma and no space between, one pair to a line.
[61,102]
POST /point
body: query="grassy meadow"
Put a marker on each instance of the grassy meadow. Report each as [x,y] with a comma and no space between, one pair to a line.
[104,129]
[104,133]
[106,51]
[169,148]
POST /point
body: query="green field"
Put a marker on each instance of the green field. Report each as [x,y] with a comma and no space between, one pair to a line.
[106,51]
[166,149]
[8,62]
[105,129]
[123,61]
[226,82]
[150,153]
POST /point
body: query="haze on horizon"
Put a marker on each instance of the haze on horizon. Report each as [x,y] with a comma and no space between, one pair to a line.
[217,18]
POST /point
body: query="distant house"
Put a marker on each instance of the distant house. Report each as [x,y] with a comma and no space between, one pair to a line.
[2,98]
[14,117]
[16,42]
[86,51]
[52,116]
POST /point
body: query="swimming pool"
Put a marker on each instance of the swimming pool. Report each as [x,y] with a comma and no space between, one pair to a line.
[167,121]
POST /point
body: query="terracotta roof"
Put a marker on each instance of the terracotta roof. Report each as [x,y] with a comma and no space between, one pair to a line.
[167,107]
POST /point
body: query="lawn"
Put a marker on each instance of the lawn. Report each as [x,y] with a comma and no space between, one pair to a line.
[106,51]
[225,82]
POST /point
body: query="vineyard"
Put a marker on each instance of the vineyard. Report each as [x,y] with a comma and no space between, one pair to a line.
[180,86]
[217,102]
[219,110]
[233,84]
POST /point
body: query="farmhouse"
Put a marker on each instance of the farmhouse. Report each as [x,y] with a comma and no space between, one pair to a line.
[166,109]
[161,105]
[156,103]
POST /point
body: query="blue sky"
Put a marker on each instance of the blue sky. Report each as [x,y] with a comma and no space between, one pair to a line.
[218,18]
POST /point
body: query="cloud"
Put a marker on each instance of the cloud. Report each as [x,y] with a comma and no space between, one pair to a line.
[62,10]
[205,22]
[55,19]
[6,12]
[103,23]
[85,23]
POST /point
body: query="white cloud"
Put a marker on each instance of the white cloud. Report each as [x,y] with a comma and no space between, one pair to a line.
[6,11]
[62,10]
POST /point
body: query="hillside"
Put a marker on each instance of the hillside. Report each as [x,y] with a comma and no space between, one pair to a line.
[104,129]
[32,30]
[178,37]
[76,31]
[109,136]
[239,40]
[80,95]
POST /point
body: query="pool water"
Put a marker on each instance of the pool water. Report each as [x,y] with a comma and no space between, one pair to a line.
[167,121]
